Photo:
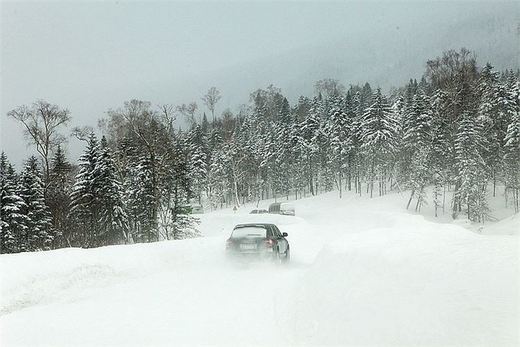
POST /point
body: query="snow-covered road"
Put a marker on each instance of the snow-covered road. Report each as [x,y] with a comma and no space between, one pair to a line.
[363,272]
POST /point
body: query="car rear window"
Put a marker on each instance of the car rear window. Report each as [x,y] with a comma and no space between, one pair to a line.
[249,232]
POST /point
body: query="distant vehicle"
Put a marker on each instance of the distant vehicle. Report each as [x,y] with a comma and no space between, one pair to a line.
[282,208]
[263,241]
[197,209]
[258,211]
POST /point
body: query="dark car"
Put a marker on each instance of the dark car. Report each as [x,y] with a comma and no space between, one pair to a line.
[197,209]
[282,208]
[258,211]
[259,240]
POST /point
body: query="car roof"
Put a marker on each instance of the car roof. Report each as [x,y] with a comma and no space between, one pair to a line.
[253,225]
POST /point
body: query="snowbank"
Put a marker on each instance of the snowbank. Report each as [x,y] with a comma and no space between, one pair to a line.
[507,226]
[416,283]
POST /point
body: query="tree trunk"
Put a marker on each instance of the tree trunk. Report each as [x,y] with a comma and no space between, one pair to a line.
[410,200]
[444,198]
[456,198]
[494,184]
[340,186]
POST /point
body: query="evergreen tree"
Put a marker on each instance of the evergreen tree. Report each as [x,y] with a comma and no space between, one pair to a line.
[407,110]
[440,151]
[40,234]
[205,124]
[282,156]
[196,147]
[113,222]
[83,206]
[13,221]
[472,170]
[379,128]
[308,141]
[58,196]
[417,144]
[355,115]
[492,121]
[340,143]
[140,201]
[512,152]
[218,178]
[365,98]
[180,223]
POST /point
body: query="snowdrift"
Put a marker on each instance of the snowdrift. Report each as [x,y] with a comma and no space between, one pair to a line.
[414,284]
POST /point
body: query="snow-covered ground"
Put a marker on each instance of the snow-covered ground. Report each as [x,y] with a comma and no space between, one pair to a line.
[363,272]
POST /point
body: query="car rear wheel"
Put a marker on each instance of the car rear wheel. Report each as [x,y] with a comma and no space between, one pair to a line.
[287,256]
[277,256]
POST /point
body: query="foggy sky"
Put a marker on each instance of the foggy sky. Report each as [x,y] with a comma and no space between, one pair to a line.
[93,56]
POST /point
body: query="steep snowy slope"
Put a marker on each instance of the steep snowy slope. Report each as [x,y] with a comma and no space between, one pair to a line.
[364,272]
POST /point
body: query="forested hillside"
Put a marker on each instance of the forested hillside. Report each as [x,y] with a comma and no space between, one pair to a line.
[457,128]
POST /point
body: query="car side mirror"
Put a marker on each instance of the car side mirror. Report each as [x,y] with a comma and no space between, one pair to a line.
[285,234]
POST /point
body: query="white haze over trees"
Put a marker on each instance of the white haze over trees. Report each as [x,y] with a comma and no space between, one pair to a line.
[89,57]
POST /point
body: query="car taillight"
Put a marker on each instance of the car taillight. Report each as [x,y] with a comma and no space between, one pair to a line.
[270,243]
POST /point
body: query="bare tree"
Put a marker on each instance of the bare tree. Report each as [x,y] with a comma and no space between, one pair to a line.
[82,133]
[42,121]
[150,130]
[329,87]
[211,99]
[188,111]
[167,114]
